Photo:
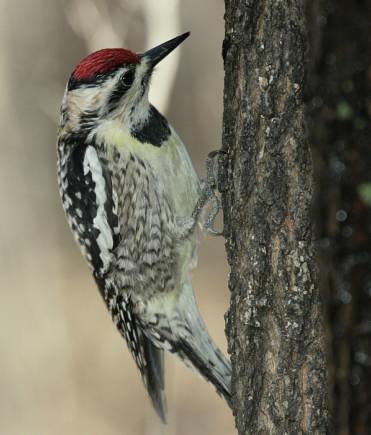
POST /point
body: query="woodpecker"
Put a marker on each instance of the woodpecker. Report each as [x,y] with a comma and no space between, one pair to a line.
[132,200]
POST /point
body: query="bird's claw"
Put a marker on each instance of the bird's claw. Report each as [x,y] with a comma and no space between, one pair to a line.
[208,188]
[210,220]
[215,160]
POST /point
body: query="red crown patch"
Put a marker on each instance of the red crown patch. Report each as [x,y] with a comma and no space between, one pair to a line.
[103,61]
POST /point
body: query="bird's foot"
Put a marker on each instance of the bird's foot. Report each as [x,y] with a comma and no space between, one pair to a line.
[209,186]
[215,206]
[215,161]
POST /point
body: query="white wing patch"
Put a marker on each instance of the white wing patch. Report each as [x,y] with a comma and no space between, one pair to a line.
[104,240]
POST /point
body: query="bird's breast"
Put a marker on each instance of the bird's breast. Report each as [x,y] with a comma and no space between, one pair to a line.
[170,163]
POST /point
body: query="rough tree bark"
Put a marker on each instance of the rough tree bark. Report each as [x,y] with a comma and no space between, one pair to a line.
[274,326]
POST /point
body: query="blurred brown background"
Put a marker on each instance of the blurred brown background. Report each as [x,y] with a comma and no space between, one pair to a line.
[64,369]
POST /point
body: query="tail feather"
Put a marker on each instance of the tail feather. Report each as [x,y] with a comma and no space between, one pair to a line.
[153,375]
[184,334]
[172,322]
[198,349]
[212,366]
[148,357]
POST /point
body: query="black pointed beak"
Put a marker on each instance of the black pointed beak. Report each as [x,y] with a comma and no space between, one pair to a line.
[156,54]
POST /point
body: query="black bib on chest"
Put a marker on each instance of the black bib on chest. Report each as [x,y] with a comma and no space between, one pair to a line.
[154,131]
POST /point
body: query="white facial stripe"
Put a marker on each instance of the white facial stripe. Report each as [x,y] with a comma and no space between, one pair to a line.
[104,240]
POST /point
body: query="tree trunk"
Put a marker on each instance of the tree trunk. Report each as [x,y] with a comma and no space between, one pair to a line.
[274,326]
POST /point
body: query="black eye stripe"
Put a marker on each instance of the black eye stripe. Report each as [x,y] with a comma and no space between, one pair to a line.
[91,82]
[125,81]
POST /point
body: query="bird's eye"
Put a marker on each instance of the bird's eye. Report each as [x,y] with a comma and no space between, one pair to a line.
[127,78]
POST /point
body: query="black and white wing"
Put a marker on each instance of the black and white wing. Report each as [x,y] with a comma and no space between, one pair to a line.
[91,205]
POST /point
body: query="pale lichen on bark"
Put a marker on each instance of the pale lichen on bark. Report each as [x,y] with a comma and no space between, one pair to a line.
[274,325]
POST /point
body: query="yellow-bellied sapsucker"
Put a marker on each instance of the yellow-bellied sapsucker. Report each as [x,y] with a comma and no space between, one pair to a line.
[132,196]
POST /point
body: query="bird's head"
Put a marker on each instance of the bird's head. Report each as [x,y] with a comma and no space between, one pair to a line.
[112,84]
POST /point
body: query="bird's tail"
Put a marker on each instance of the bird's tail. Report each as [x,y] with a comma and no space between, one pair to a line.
[210,363]
[153,374]
[198,351]
[177,326]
